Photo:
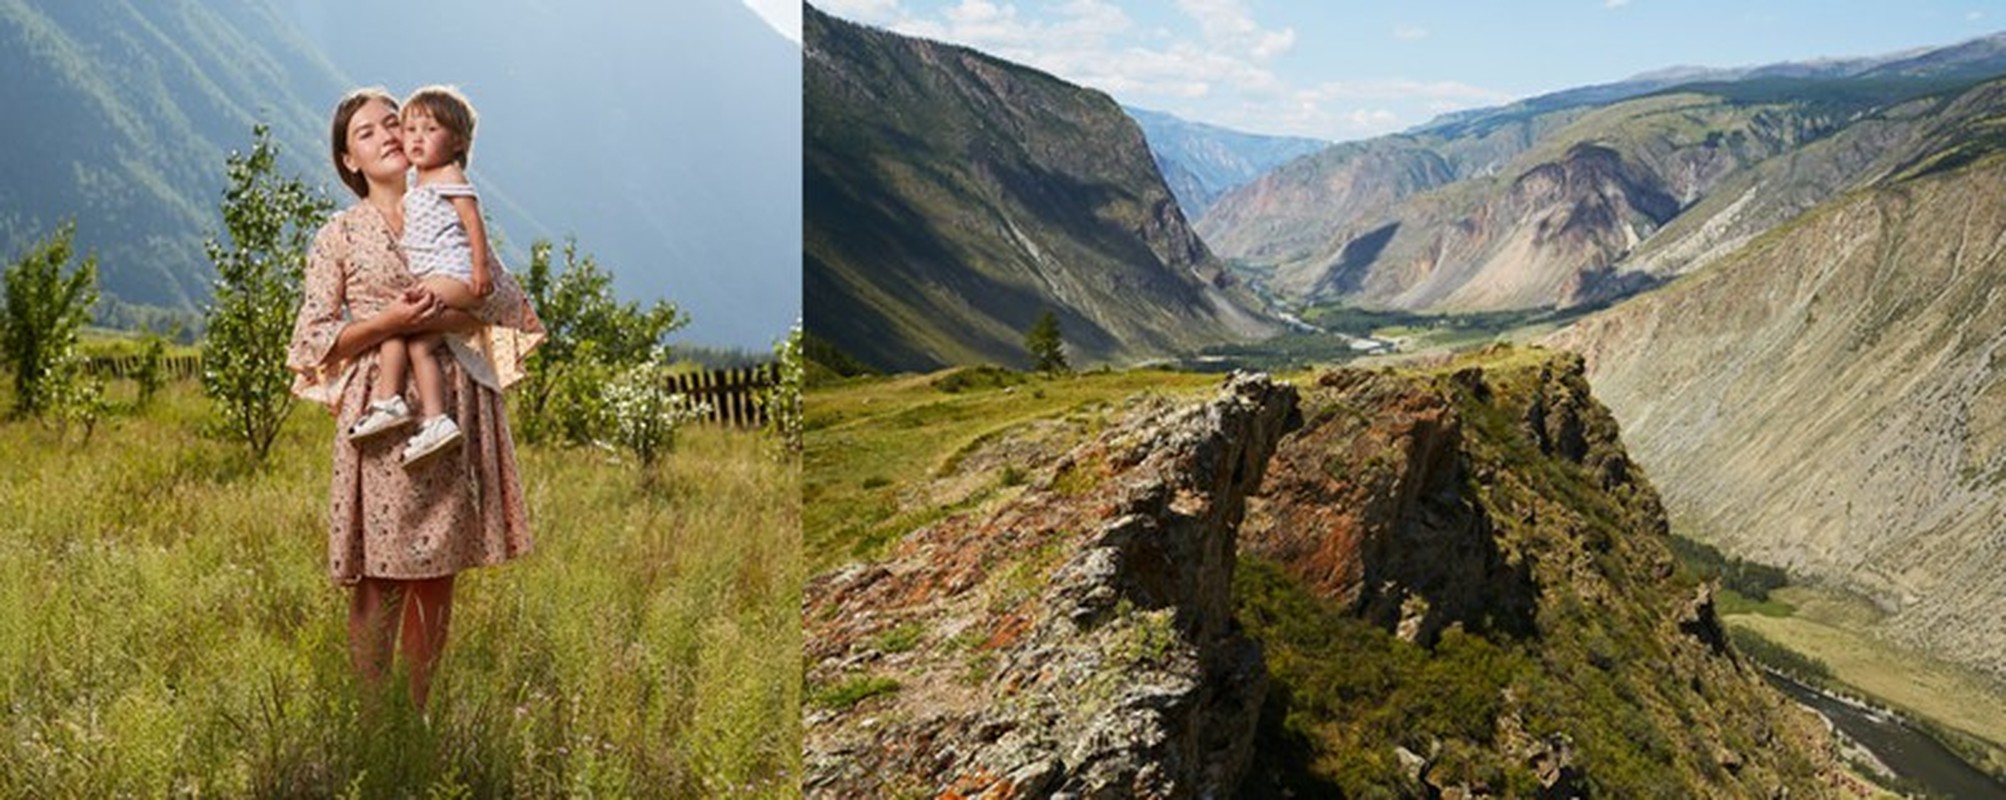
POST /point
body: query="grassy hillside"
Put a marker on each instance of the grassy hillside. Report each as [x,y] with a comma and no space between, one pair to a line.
[171,629]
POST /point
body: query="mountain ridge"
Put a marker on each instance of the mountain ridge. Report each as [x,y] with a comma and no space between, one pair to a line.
[1473,242]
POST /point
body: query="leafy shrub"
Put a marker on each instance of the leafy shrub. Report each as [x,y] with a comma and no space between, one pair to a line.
[782,400]
[593,341]
[44,311]
[645,412]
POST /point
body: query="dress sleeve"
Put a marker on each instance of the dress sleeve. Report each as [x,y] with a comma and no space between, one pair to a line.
[513,328]
[454,190]
[322,315]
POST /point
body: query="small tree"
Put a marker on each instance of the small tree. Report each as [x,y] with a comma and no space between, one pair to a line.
[150,373]
[45,310]
[270,220]
[782,400]
[1048,351]
[593,340]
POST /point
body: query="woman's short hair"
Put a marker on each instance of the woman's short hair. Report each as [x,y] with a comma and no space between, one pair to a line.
[445,105]
[343,112]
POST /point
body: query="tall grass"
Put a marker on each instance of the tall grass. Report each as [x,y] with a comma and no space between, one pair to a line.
[167,626]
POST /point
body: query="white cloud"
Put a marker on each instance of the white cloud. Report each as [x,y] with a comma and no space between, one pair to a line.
[783,15]
[873,11]
[1975,16]
[1228,24]
[1215,64]
[1401,89]
[1615,3]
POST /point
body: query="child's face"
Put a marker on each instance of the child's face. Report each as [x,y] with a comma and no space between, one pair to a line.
[427,143]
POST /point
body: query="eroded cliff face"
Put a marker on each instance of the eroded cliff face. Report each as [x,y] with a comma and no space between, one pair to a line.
[1438,581]
[1077,639]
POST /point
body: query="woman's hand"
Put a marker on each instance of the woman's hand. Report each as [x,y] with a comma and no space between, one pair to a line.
[414,309]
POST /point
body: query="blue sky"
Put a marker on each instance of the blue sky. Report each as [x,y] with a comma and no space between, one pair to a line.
[1344,69]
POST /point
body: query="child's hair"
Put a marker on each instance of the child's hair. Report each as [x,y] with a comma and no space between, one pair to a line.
[451,110]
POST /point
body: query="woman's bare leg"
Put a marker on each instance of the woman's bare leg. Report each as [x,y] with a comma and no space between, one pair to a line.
[431,380]
[428,607]
[372,628]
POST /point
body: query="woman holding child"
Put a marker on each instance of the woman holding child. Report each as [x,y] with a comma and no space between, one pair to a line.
[410,511]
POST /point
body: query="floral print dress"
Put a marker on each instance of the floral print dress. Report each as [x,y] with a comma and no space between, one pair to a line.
[463,510]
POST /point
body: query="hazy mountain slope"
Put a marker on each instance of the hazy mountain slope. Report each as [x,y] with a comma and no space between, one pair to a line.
[1830,397]
[665,136]
[1201,162]
[951,198]
[603,120]
[121,115]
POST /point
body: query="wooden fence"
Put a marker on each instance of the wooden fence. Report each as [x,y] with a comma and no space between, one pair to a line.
[173,367]
[733,394]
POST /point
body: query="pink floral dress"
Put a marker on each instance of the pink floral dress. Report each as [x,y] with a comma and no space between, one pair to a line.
[460,511]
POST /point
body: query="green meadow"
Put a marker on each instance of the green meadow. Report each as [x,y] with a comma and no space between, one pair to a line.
[870,439]
[169,628]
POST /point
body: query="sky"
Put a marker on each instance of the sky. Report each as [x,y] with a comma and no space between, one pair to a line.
[1348,69]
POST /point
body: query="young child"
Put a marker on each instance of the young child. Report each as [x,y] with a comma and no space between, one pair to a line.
[446,246]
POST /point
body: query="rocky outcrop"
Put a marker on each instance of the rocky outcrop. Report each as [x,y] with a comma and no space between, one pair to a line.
[1480,518]
[1075,640]
[1367,506]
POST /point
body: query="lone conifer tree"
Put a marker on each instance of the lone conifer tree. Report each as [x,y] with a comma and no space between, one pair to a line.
[1048,351]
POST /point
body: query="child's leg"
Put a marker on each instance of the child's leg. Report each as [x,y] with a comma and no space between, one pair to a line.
[431,381]
[392,359]
[452,292]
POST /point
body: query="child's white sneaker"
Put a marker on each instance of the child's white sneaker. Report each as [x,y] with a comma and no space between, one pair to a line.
[434,437]
[381,417]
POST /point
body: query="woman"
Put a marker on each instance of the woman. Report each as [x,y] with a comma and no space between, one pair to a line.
[398,536]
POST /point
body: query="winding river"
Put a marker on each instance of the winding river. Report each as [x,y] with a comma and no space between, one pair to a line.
[1912,754]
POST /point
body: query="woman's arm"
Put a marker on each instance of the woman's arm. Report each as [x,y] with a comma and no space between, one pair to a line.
[417,311]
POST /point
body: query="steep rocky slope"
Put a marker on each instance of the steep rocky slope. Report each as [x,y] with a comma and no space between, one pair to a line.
[1447,581]
[951,198]
[1829,398]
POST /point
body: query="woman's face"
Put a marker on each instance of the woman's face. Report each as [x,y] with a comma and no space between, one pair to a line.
[375,143]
